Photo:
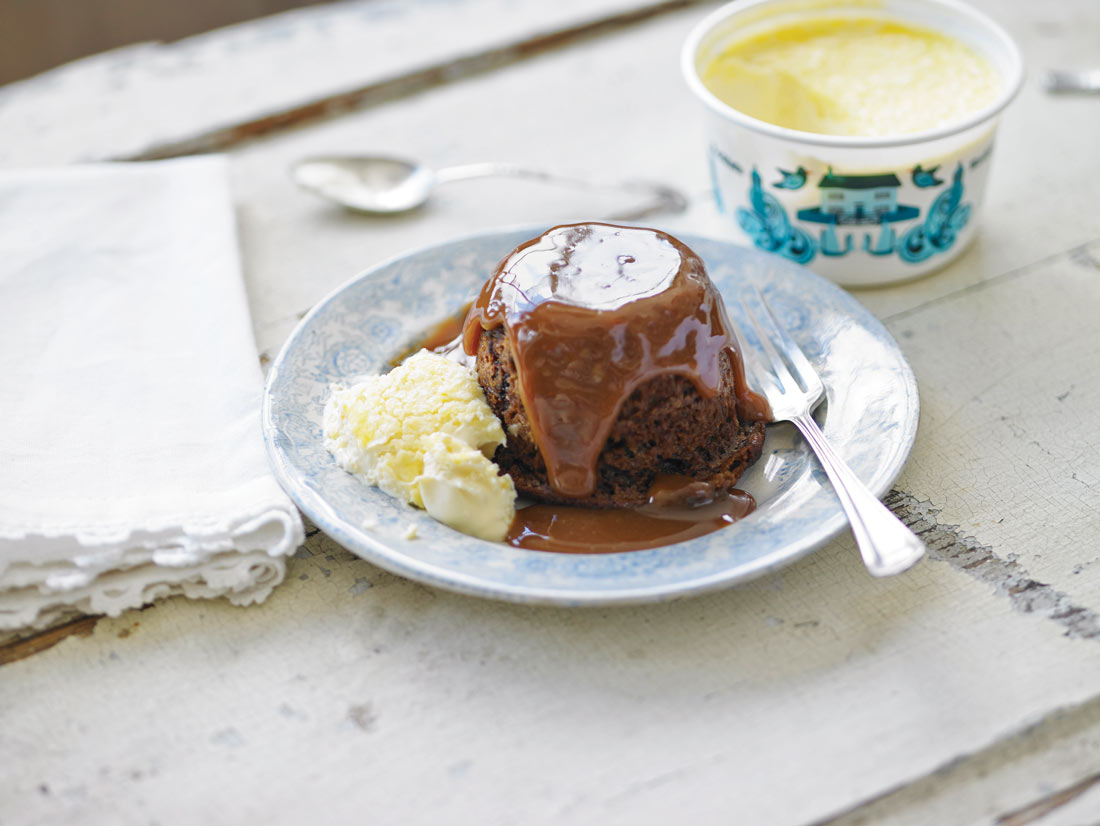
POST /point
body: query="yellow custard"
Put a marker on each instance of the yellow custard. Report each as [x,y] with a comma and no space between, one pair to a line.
[852,76]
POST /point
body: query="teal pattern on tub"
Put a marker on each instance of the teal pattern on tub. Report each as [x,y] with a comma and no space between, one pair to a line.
[946,218]
[769,227]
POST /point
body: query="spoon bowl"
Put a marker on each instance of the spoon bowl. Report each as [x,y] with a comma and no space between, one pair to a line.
[380,185]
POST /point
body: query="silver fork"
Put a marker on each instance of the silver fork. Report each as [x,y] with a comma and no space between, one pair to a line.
[888,547]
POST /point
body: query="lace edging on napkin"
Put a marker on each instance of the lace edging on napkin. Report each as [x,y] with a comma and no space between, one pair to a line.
[243,578]
[243,562]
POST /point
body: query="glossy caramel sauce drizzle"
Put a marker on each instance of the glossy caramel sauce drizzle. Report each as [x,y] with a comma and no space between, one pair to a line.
[592,311]
[679,509]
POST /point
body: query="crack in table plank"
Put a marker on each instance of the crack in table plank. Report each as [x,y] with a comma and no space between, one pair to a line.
[27,646]
[1079,254]
[1044,806]
[947,543]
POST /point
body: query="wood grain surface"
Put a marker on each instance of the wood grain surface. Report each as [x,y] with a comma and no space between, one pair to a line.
[964,692]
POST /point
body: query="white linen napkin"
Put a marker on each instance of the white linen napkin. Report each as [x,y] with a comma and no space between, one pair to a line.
[131,458]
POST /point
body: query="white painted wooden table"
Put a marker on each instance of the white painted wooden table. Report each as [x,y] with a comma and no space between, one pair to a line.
[966,691]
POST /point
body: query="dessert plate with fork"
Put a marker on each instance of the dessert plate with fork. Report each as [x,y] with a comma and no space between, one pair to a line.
[869,416]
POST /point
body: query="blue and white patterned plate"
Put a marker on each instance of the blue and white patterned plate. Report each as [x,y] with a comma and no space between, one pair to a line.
[871,419]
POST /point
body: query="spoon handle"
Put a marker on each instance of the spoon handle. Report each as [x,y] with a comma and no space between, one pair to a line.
[661,198]
[1061,81]
[489,170]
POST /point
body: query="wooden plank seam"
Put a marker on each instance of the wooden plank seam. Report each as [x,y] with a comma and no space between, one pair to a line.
[1056,726]
[405,85]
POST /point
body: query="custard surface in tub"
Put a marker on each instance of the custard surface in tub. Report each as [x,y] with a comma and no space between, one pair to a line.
[852,76]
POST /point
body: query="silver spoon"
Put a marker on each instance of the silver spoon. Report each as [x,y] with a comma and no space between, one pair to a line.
[1062,81]
[386,185]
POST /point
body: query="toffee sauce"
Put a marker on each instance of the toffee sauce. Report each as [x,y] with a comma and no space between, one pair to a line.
[679,509]
[592,311]
[444,336]
[446,332]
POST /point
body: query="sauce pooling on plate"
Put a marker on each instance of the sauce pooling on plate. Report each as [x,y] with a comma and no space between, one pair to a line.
[679,509]
[592,311]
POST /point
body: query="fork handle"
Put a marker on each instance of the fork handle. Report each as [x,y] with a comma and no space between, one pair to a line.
[887,545]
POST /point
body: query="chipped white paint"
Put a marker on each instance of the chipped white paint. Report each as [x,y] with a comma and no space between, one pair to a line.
[1010,396]
[789,701]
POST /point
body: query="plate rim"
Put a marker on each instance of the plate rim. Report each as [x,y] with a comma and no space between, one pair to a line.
[377,552]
